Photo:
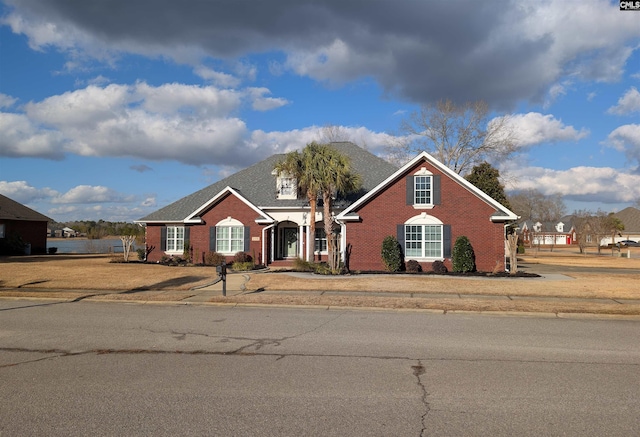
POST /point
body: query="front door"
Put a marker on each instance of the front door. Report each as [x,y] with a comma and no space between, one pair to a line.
[290,237]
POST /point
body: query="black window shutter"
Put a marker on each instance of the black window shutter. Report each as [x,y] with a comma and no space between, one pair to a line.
[187,233]
[400,232]
[212,238]
[247,239]
[163,238]
[410,187]
[436,190]
[446,241]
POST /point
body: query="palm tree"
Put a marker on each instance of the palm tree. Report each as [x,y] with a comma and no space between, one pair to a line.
[334,177]
[304,169]
[321,169]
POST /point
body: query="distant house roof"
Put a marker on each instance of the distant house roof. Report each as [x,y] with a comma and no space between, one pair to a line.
[257,184]
[630,217]
[12,210]
[550,226]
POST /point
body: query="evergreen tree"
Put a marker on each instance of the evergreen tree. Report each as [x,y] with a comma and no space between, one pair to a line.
[487,178]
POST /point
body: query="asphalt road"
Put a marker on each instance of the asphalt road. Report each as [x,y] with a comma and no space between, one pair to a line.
[130,369]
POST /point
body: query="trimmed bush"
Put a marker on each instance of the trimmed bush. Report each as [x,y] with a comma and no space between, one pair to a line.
[52,250]
[413,266]
[463,258]
[391,254]
[439,268]
[242,257]
[214,259]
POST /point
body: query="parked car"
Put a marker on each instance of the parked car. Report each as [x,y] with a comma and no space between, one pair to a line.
[629,243]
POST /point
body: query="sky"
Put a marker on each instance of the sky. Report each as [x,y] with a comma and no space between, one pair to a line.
[112,109]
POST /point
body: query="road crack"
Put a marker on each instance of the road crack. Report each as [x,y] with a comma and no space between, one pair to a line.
[418,371]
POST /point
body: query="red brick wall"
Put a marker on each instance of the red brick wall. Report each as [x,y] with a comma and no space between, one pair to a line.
[467,214]
[229,206]
[31,232]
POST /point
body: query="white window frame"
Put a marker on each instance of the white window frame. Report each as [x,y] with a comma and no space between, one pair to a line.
[423,178]
[286,186]
[230,231]
[175,239]
[320,239]
[424,223]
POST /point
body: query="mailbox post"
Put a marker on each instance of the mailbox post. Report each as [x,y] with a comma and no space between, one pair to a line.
[222,272]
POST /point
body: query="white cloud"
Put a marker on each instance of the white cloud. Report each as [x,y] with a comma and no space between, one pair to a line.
[626,139]
[534,128]
[185,123]
[7,101]
[627,104]
[262,103]
[91,194]
[19,136]
[218,78]
[22,192]
[594,184]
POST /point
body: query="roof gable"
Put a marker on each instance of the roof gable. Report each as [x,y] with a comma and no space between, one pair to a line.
[12,210]
[195,216]
[502,213]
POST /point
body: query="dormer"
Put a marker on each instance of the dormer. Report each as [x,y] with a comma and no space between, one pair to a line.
[537,227]
[286,186]
[560,227]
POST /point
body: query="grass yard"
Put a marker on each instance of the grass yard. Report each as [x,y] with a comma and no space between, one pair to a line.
[572,275]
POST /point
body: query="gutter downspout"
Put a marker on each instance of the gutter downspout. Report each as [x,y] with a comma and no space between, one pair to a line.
[343,240]
[264,256]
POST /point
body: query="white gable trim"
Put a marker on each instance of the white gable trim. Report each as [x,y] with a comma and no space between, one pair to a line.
[508,215]
[195,219]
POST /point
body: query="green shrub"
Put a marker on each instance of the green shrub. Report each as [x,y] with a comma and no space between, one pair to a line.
[52,250]
[214,258]
[439,268]
[413,266]
[391,254]
[520,249]
[141,253]
[300,265]
[463,257]
[322,268]
[242,266]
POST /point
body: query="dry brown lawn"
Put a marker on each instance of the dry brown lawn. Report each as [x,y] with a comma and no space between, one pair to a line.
[79,276]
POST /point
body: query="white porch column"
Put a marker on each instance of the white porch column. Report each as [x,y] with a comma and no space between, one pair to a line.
[300,241]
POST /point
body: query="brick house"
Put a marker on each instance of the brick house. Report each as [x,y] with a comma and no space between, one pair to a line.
[424,204]
[20,225]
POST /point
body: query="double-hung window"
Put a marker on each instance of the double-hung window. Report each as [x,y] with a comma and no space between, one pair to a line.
[423,241]
[229,239]
[175,238]
[422,190]
[320,240]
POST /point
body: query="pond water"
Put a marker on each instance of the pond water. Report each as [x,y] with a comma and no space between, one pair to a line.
[82,245]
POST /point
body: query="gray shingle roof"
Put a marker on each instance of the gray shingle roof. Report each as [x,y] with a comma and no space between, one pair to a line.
[258,185]
[630,217]
[12,210]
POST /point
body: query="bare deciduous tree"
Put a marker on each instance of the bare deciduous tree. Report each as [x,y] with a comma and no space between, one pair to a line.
[533,205]
[459,136]
[127,242]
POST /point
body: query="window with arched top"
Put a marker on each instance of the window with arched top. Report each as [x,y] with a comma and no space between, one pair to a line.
[425,237]
[230,236]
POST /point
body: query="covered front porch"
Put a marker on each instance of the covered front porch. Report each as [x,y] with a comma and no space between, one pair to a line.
[288,242]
